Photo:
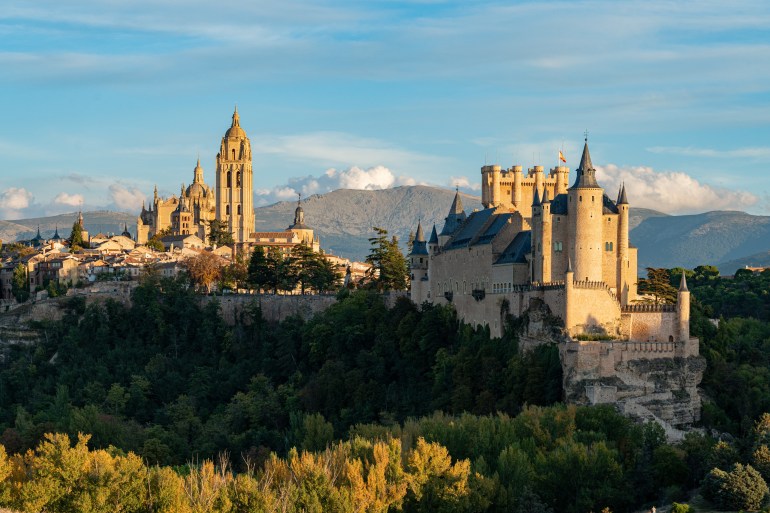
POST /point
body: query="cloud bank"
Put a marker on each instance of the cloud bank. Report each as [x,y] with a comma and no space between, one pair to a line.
[13,201]
[127,198]
[71,200]
[671,192]
[354,177]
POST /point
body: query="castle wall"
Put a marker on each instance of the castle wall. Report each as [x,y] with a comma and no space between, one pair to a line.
[593,308]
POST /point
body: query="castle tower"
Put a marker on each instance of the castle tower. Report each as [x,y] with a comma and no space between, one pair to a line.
[418,265]
[536,270]
[569,284]
[585,218]
[623,265]
[234,197]
[683,309]
[562,179]
[433,241]
[490,180]
[517,177]
[546,236]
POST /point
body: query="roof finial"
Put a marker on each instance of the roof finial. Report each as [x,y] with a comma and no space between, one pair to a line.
[683,283]
[586,135]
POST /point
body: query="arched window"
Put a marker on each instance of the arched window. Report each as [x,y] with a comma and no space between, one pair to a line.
[238,180]
[233,153]
[227,208]
[229,179]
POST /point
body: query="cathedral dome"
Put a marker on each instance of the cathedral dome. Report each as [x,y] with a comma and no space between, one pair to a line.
[197,190]
[235,131]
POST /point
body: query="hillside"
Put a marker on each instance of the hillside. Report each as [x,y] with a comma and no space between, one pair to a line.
[99,221]
[708,238]
[344,220]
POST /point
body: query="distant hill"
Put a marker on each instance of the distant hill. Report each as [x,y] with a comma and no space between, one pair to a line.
[344,219]
[103,221]
[711,238]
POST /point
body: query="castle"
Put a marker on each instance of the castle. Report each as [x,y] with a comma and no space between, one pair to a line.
[539,243]
[231,201]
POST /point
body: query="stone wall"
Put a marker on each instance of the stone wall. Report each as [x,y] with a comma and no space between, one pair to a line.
[274,307]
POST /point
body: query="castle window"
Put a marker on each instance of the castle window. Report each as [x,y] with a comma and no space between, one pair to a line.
[238,180]
[580,198]
[608,246]
[592,199]
[557,246]
[228,179]
[239,210]
[227,207]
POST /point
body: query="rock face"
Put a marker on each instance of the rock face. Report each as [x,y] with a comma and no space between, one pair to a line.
[644,380]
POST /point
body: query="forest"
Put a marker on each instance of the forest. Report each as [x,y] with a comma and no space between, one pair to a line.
[362,408]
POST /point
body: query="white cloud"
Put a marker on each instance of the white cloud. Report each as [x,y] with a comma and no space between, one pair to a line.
[72,200]
[463,183]
[373,178]
[671,192]
[13,200]
[127,198]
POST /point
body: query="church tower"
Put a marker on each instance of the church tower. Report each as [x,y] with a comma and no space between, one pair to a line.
[235,202]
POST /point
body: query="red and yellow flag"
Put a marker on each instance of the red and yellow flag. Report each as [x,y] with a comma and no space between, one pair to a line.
[561,157]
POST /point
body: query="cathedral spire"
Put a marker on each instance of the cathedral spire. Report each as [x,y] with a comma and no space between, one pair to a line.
[236,118]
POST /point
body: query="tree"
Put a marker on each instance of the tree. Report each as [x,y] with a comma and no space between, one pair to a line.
[234,273]
[203,269]
[76,237]
[219,233]
[658,284]
[741,488]
[389,269]
[313,270]
[264,268]
[19,286]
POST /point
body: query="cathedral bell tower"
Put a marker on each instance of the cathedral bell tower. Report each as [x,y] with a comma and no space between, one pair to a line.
[234,198]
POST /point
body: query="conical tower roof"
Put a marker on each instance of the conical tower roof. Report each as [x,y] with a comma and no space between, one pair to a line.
[456,216]
[536,198]
[433,236]
[586,174]
[457,204]
[420,236]
[683,283]
[622,199]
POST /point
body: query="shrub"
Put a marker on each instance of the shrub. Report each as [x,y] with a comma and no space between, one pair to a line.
[741,488]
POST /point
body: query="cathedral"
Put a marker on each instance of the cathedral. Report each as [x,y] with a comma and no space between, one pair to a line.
[231,201]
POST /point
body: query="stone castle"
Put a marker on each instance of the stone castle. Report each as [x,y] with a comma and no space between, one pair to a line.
[231,201]
[540,248]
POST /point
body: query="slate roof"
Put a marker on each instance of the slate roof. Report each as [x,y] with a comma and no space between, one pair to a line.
[470,228]
[517,249]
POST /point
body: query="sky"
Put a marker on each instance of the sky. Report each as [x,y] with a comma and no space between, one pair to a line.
[102,100]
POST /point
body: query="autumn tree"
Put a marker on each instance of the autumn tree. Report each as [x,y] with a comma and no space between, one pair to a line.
[203,269]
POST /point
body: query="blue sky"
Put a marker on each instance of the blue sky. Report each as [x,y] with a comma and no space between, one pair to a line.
[102,100]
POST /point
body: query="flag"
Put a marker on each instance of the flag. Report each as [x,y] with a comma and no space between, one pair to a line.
[561,157]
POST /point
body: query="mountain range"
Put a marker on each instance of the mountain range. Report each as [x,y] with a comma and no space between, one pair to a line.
[343,219]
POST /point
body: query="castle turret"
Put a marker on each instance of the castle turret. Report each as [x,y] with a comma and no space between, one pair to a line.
[569,284]
[536,239]
[546,236]
[585,213]
[490,181]
[433,241]
[539,179]
[625,273]
[517,177]
[562,180]
[683,309]
[418,266]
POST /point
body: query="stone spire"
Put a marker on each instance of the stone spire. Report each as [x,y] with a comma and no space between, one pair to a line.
[683,283]
[457,204]
[198,175]
[586,174]
[545,196]
[236,118]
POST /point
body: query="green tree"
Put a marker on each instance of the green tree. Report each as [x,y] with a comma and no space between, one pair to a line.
[76,237]
[389,267]
[19,285]
[220,233]
[741,488]
[658,285]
